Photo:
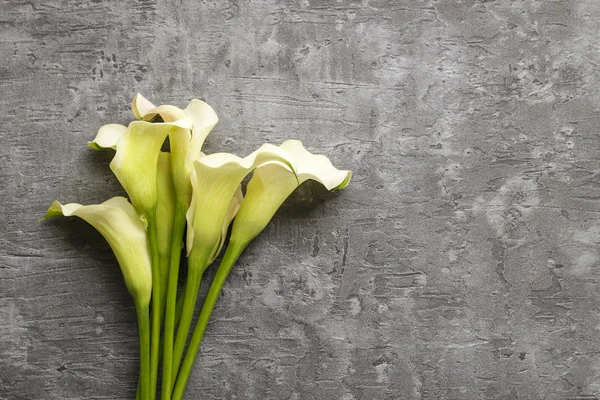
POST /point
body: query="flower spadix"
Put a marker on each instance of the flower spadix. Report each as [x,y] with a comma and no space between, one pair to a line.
[125,232]
[215,180]
[273,182]
[185,144]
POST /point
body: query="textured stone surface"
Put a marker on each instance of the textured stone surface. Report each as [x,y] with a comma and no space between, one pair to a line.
[461,263]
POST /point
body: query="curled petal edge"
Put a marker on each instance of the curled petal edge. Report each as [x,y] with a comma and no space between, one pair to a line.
[107,137]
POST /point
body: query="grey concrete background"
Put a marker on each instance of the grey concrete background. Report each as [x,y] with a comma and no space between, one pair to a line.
[461,263]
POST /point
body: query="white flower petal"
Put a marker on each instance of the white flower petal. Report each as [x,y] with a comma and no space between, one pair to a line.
[136,161]
[316,167]
[273,182]
[185,144]
[140,106]
[107,137]
[124,231]
[232,210]
[215,180]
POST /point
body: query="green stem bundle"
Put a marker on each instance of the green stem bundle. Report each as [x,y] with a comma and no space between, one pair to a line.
[234,250]
[156,305]
[197,262]
[143,316]
[171,302]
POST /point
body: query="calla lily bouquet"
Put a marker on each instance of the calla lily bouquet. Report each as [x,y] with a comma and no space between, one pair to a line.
[169,191]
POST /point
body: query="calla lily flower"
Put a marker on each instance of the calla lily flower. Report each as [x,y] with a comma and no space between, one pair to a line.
[136,167]
[136,161]
[117,220]
[215,180]
[125,233]
[272,183]
[185,144]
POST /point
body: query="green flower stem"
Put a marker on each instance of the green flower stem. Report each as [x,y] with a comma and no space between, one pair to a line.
[229,258]
[164,278]
[156,305]
[197,262]
[179,306]
[171,307]
[143,315]
[178,309]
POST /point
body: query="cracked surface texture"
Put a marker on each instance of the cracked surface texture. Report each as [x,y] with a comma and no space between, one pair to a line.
[461,263]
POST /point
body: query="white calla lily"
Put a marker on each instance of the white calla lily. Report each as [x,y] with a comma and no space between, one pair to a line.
[272,183]
[136,161]
[125,233]
[185,144]
[215,179]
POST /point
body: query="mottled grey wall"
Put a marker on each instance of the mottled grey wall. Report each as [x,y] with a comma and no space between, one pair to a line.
[461,263]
